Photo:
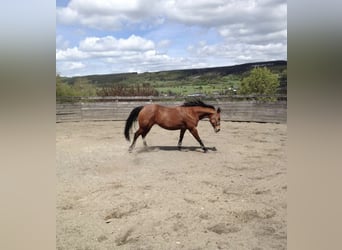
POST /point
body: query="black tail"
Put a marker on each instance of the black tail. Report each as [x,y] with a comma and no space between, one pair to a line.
[131,119]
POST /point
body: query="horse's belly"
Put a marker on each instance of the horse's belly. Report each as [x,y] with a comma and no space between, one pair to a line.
[172,125]
[170,128]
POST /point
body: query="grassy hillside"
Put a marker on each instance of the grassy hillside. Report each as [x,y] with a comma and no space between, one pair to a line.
[216,80]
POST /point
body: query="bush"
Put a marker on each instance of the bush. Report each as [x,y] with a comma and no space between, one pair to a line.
[260,82]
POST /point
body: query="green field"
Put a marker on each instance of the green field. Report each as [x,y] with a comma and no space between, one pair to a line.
[198,85]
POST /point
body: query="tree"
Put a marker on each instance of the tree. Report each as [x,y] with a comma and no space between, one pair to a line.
[62,88]
[260,81]
[82,87]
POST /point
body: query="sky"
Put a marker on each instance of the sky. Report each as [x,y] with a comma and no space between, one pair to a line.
[119,36]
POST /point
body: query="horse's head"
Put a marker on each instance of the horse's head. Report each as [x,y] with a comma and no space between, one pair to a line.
[215,119]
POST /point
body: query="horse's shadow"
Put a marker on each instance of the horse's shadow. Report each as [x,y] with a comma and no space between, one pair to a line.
[174,148]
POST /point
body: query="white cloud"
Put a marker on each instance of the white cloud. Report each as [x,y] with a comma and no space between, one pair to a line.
[109,43]
[61,42]
[244,31]
[70,54]
[109,46]
[227,53]
[67,15]
[97,54]
[115,14]
[164,43]
[253,35]
[74,65]
[107,14]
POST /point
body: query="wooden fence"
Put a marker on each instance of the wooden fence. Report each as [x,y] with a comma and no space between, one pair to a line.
[244,109]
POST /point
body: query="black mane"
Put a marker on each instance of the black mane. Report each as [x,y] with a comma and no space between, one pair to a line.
[196,102]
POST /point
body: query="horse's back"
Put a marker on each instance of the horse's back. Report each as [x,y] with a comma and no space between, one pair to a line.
[155,108]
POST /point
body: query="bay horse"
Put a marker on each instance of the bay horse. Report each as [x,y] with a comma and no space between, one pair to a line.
[184,117]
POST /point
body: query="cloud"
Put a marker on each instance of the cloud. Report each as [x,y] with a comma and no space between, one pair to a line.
[164,43]
[74,65]
[61,42]
[250,21]
[110,43]
[181,34]
[116,55]
[70,54]
[220,54]
[108,46]
[71,67]
[106,14]
[116,14]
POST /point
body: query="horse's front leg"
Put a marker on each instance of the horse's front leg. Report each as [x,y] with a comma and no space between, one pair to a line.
[181,135]
[194,132]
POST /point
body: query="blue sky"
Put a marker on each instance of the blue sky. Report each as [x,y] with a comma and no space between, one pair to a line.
[115,36]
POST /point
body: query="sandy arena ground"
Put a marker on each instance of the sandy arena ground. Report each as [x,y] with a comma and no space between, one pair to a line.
[233,197]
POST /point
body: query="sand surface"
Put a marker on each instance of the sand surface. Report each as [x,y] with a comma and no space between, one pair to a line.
[232,197]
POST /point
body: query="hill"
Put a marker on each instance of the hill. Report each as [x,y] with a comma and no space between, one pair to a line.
[213,80]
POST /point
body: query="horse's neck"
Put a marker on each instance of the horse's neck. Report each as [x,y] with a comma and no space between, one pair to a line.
[203,112]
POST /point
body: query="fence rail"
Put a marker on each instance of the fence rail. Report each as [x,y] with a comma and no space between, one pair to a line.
[234,108]
[168,98]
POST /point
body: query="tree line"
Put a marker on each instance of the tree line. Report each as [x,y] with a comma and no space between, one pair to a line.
[259,81]
[83,88]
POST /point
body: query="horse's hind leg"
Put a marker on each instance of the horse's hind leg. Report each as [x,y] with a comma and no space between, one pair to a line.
[136,135]
[144,141]
[141,131]
[143,135]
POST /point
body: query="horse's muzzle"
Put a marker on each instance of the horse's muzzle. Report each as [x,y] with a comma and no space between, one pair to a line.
[217,130]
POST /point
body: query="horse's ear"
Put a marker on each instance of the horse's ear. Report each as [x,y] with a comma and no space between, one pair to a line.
[218,110]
